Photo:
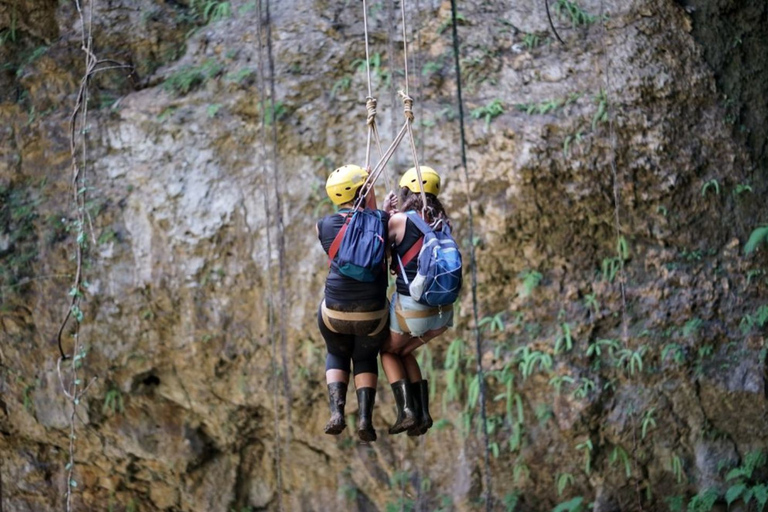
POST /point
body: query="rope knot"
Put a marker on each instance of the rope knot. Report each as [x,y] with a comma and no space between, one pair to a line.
[407,105]
[370,105]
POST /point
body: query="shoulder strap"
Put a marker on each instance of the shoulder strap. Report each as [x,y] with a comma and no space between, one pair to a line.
[418,222]
[416,247]
[337,241]
[412,252]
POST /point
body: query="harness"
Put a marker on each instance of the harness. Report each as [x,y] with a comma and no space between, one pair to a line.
[401,315]
[382,315]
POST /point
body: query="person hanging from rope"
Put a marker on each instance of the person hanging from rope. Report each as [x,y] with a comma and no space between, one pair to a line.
[412,322]
[354,313]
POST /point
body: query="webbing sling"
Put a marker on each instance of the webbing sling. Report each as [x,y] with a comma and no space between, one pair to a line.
[355,316]
[401,315]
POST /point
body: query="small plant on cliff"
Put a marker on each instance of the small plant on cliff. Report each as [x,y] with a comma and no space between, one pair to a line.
[275,114]
[113,401]
[741,188]
[631,361]
[528,359]
[596,349]
[569,140]
[744,486]
[676,352]
[591,302]
[510,501]
[563,481]
[432,66]
[211,10]
[648,422]
[611,266]
[564,341]
[531,40]
[547,106]
[187,78]
[493,323]
[756,238]
[713,184]
[703,502]
[455,371]
[558,380]
[572,11]
[531,279]
[18,213]
[692,327]
[757,319]
[572,505]
[586,385]
[601,115]
[489,112]
[10,34]
[619,455]
[586,447]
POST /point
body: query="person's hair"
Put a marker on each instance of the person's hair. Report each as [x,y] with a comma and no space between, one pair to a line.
[356,196]
[408,200]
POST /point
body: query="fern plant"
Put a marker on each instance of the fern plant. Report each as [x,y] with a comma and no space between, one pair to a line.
[758,235]
[743,486]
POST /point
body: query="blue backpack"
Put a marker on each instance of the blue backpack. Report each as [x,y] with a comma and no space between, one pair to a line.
[438,278]
[360,246]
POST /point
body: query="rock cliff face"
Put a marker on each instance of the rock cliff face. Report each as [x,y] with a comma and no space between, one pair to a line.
[614,181]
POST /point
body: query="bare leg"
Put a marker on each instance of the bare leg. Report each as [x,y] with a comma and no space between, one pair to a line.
[412,368]
[395,342]
[332,376]
[366,380]
[393,367]
[416,342]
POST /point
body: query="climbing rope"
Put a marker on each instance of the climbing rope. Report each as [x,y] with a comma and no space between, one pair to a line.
[615,175]
[280,224]
[473,264]
[270,311]
[406,128]
[370,105]
[552,25]
[617,221]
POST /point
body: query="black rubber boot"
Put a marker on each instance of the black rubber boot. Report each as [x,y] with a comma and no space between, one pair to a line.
[406,416]
[422,396]
[365,400]
[415,430]
[337,392]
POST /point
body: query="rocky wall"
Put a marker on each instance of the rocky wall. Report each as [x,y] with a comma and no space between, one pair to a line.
[622,326]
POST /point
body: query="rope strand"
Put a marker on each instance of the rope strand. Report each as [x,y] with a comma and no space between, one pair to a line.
[270,312]
[280,223]
[370,104]
[473,266]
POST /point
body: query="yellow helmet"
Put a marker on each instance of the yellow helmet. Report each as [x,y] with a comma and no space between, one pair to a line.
[343,183]
[429,178]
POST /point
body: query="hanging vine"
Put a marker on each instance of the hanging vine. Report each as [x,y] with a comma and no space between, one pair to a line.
[72,385]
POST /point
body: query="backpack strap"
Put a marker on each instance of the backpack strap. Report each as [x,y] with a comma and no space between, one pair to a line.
[416,247]
[411,253]
[334,249]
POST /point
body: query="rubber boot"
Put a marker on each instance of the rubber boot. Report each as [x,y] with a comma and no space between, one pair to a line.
[365,400]
[406,416]
[415,430]
[337,393]
[422,396]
